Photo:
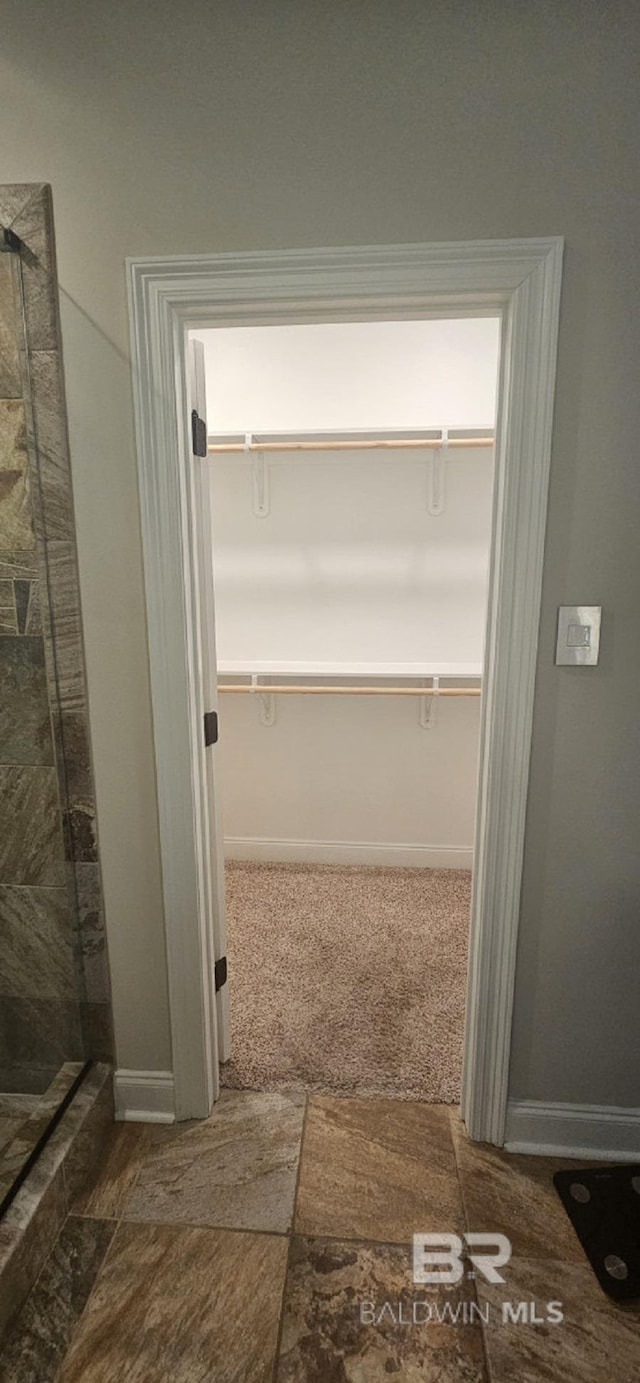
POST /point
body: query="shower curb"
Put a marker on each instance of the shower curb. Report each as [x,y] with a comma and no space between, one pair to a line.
[35,1217]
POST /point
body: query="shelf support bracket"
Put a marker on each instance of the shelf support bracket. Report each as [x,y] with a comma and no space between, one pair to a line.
[437,476]
[427,706]
[267,704]
[260,488]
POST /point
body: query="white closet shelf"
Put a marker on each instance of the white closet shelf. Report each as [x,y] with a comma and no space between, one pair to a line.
[428,438]
[262,668]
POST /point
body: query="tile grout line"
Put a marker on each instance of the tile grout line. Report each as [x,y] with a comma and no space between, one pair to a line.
[134,1183]
[303,1130]
[117,1219]
[290,1235]
[12,1322]
[458,1173]
[465,1216]
[76,1324]
[199,1224]
[351,1240]
[68,1216]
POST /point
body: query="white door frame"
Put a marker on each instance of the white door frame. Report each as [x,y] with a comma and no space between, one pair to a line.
[520,279]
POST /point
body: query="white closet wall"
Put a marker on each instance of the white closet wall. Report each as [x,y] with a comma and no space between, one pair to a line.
[360,375]
[350,574]
[349,566]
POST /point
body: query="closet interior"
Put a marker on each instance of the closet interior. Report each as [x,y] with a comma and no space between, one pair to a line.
[352,476]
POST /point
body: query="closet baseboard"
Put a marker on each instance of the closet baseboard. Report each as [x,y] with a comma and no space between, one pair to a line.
[261,849]
[603,1132]
[144,1097]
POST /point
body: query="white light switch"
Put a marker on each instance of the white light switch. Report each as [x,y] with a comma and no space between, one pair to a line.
[578,635]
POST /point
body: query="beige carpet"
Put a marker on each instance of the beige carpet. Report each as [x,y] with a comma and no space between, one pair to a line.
[347,979]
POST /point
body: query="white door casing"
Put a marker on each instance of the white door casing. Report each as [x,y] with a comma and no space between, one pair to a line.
[521,280]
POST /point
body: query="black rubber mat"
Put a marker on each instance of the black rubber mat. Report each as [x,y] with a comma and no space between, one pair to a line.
[603,1205]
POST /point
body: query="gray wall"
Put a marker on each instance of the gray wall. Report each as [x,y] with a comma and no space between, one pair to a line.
[169,129]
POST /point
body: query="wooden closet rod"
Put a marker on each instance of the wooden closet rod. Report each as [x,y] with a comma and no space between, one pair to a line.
[377,444]
[321,690]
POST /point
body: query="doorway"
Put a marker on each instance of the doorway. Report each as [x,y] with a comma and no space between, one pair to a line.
[517,280]
[350,471]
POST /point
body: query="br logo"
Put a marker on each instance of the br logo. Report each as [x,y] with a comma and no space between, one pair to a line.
[440,1259]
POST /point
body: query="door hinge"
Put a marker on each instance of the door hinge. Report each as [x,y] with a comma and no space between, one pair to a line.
[198,434]
[220,972]
[210,728]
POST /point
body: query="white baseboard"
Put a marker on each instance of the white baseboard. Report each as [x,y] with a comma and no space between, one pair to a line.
[260,848]
[603,1132]
[144,1097]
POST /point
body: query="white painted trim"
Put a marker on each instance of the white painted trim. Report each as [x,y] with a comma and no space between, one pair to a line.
[144,1097]
[519,278]
[601,1132]
[261,848]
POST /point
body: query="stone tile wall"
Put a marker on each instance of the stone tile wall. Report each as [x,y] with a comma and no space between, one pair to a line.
[54,982]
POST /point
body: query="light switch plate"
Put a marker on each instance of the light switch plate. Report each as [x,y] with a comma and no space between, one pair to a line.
[578,642]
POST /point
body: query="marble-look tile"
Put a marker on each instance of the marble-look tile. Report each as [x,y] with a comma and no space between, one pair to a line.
[8,611]
[21,1148]
[36,952]
[10,375]
[39,1032]
[89,1124]
[97,1030]
[13,198]
[120,1163]
[79,779]
[377,1169]
[91,935]
[21,600]
[60,1086]
[32,1221]
[25,726]
[64,593]
[189,1305]
[15,1080]
[34,1124]
[31,847]
[514,1195]
[596,1341]
[17,1105]
[16,514]
[349,1315]
[28,1230]
[51,445]
[20,612]
[33,624]
[74,1146]
[34,225]
[237,1168]
[38,1339]
[66,632]
[17,1153]
[9,1126]
[13,436]
[20,566]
